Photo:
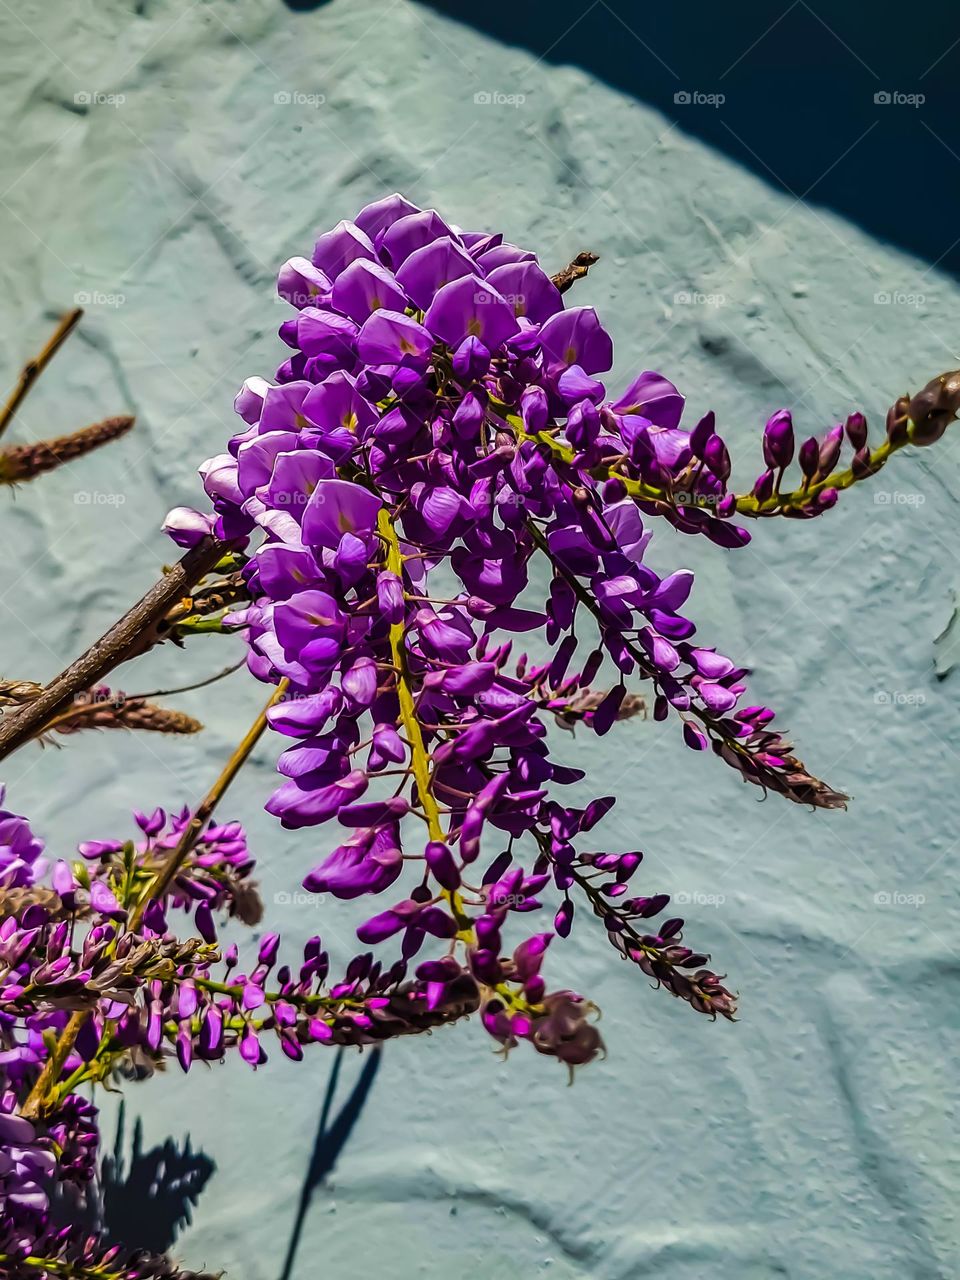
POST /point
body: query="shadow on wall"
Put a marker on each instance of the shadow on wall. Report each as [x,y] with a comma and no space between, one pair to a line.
[144,1201]
[837,105]
[147,1201]
[330,1142]
[304,6]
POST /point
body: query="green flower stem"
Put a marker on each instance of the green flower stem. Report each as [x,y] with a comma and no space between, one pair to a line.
[419,756]
[59,1267]
[747,504]
[420,759]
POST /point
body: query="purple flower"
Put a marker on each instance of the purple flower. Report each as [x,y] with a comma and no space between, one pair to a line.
[368,862]
[398,500]
[336,507]
[428,269]
[21,860]
[187,527]
[576,336]
[654,398]
[471,308]
[389,337]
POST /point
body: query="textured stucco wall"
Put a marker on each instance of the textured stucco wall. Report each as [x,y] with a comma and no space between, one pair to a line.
[818,1137]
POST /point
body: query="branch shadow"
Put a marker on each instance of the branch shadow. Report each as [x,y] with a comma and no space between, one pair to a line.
[329,1143]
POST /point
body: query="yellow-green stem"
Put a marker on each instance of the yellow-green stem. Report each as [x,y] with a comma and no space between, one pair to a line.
[66,1269]
[204,810]
[747,504]
[419,757]
[48,1077]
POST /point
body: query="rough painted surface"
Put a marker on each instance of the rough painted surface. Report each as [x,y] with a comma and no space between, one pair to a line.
[816,1138]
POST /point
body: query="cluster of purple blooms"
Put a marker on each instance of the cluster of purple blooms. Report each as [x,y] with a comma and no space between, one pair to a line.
[439,429]
[442,419]
[400,441]
[79,945]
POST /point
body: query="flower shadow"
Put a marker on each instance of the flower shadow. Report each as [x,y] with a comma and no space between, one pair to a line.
[148,1199]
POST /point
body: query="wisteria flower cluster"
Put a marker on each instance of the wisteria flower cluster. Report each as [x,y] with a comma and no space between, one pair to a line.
[441,426]
[430,531]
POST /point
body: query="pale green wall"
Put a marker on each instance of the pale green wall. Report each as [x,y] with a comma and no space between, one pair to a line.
[817,1138]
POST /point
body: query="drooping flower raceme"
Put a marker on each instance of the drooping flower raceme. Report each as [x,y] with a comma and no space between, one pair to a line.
[441,425]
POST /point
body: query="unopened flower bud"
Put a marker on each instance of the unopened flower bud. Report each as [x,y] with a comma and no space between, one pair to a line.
[830,450]
[809,457]
[702,433]
[763,489]
[827,498]
[856,428]
[717,458]
[778,440]
[727,506]
[614,490]
[861,465]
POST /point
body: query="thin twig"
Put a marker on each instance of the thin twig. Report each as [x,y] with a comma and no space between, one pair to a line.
[186,688]
[33,368]
[129,636]
[117,701]
[204,811]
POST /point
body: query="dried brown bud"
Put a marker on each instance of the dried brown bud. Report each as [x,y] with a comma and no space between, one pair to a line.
[14,693]
[14,902]
[24,461]
[933,409]
[897,420]
[572,712]
[577,269]
[102,708]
